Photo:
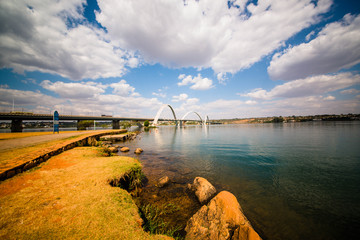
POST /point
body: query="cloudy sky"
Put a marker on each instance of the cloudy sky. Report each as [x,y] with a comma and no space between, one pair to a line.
[224,59]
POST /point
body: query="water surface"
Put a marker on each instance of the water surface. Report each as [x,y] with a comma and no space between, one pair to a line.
[293,180]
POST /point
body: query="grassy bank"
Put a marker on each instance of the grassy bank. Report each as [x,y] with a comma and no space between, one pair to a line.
[69,196]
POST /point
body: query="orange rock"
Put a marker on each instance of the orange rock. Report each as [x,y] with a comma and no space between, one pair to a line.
[138,151]
[221,218]
[204,190]
[125,149]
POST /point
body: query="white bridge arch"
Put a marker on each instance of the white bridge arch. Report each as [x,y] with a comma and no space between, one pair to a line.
[206,119]
[183,118]
[156,119]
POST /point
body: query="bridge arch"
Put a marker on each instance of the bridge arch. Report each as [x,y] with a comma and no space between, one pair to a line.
[206,119]
[189,113]
[156,119]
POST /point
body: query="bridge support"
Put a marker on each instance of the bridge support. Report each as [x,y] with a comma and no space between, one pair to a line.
[16,125]
[116,124]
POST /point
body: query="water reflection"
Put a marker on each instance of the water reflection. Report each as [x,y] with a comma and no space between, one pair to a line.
[294,181]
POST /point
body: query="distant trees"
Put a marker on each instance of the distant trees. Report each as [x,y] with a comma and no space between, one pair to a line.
[278,119]
[82,125]
[125,124]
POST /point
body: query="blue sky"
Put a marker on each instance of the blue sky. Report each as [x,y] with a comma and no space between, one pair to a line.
[224,59]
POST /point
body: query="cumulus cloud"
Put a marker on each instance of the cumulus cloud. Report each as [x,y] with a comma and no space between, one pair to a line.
[350,91]
[207,33]
[336,47]
[329,98]
[197,83]
[85,90]
[73,90]
[181,97]
[25,99]
[82,98]
[53,36]
[316,85]
[123,89]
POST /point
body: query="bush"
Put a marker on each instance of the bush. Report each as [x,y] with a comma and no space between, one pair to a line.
[146,123]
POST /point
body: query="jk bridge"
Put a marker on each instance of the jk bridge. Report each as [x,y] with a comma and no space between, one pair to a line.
[17,118]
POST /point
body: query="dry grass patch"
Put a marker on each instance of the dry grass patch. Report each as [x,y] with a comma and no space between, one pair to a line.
[69,197]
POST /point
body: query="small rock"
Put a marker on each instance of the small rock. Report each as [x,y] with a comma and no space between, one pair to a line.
[204,190]
[138,151]
[221,218]
[125,149]
[162,182]
[113,149]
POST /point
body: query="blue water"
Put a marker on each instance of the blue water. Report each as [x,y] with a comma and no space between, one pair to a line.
[293,180]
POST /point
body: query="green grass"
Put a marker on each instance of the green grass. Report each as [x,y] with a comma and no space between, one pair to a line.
[154,222]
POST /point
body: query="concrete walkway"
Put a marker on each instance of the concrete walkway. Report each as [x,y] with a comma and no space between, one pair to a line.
[8,144]
[31,151]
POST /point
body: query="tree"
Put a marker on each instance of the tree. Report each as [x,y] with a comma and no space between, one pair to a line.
[82,125]
[146,123]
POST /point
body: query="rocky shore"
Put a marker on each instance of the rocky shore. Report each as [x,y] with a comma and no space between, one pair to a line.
[204,212]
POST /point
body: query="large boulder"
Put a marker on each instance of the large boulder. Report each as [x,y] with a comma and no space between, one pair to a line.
[203,189]
[221,218]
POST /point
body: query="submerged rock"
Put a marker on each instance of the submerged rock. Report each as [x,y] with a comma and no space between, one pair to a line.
[203,189]
[221,218]
[162,182]
[138,151]
[125,149]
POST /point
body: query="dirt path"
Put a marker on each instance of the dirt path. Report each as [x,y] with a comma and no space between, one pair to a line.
[8,144]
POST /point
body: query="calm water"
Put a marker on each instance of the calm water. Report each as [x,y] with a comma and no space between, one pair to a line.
[293,180]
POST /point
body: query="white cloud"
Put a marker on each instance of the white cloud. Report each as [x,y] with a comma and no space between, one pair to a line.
[25,99]
[309,36]
[329,98]
[350,91]
[52,36]
[81,98]
[181,97]
[123,89]
[159,94]
[251,102]
[221,77]
[206,33]
[310,86]
[336,47]
[198,82]
[74,90]
[4,86]
[86,90]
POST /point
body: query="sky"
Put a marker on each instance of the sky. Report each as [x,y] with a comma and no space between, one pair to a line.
[221,59]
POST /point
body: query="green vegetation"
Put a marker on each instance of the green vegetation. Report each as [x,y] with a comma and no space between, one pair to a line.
[146,123]
[293,118]
[125,124]
[154,223]
[82,125]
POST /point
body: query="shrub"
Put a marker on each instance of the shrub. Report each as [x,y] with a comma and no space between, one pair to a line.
[146,123]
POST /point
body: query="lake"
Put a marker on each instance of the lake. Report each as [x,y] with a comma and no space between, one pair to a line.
[293,180]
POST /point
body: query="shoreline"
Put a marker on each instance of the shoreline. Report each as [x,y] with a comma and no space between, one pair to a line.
[163,197]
